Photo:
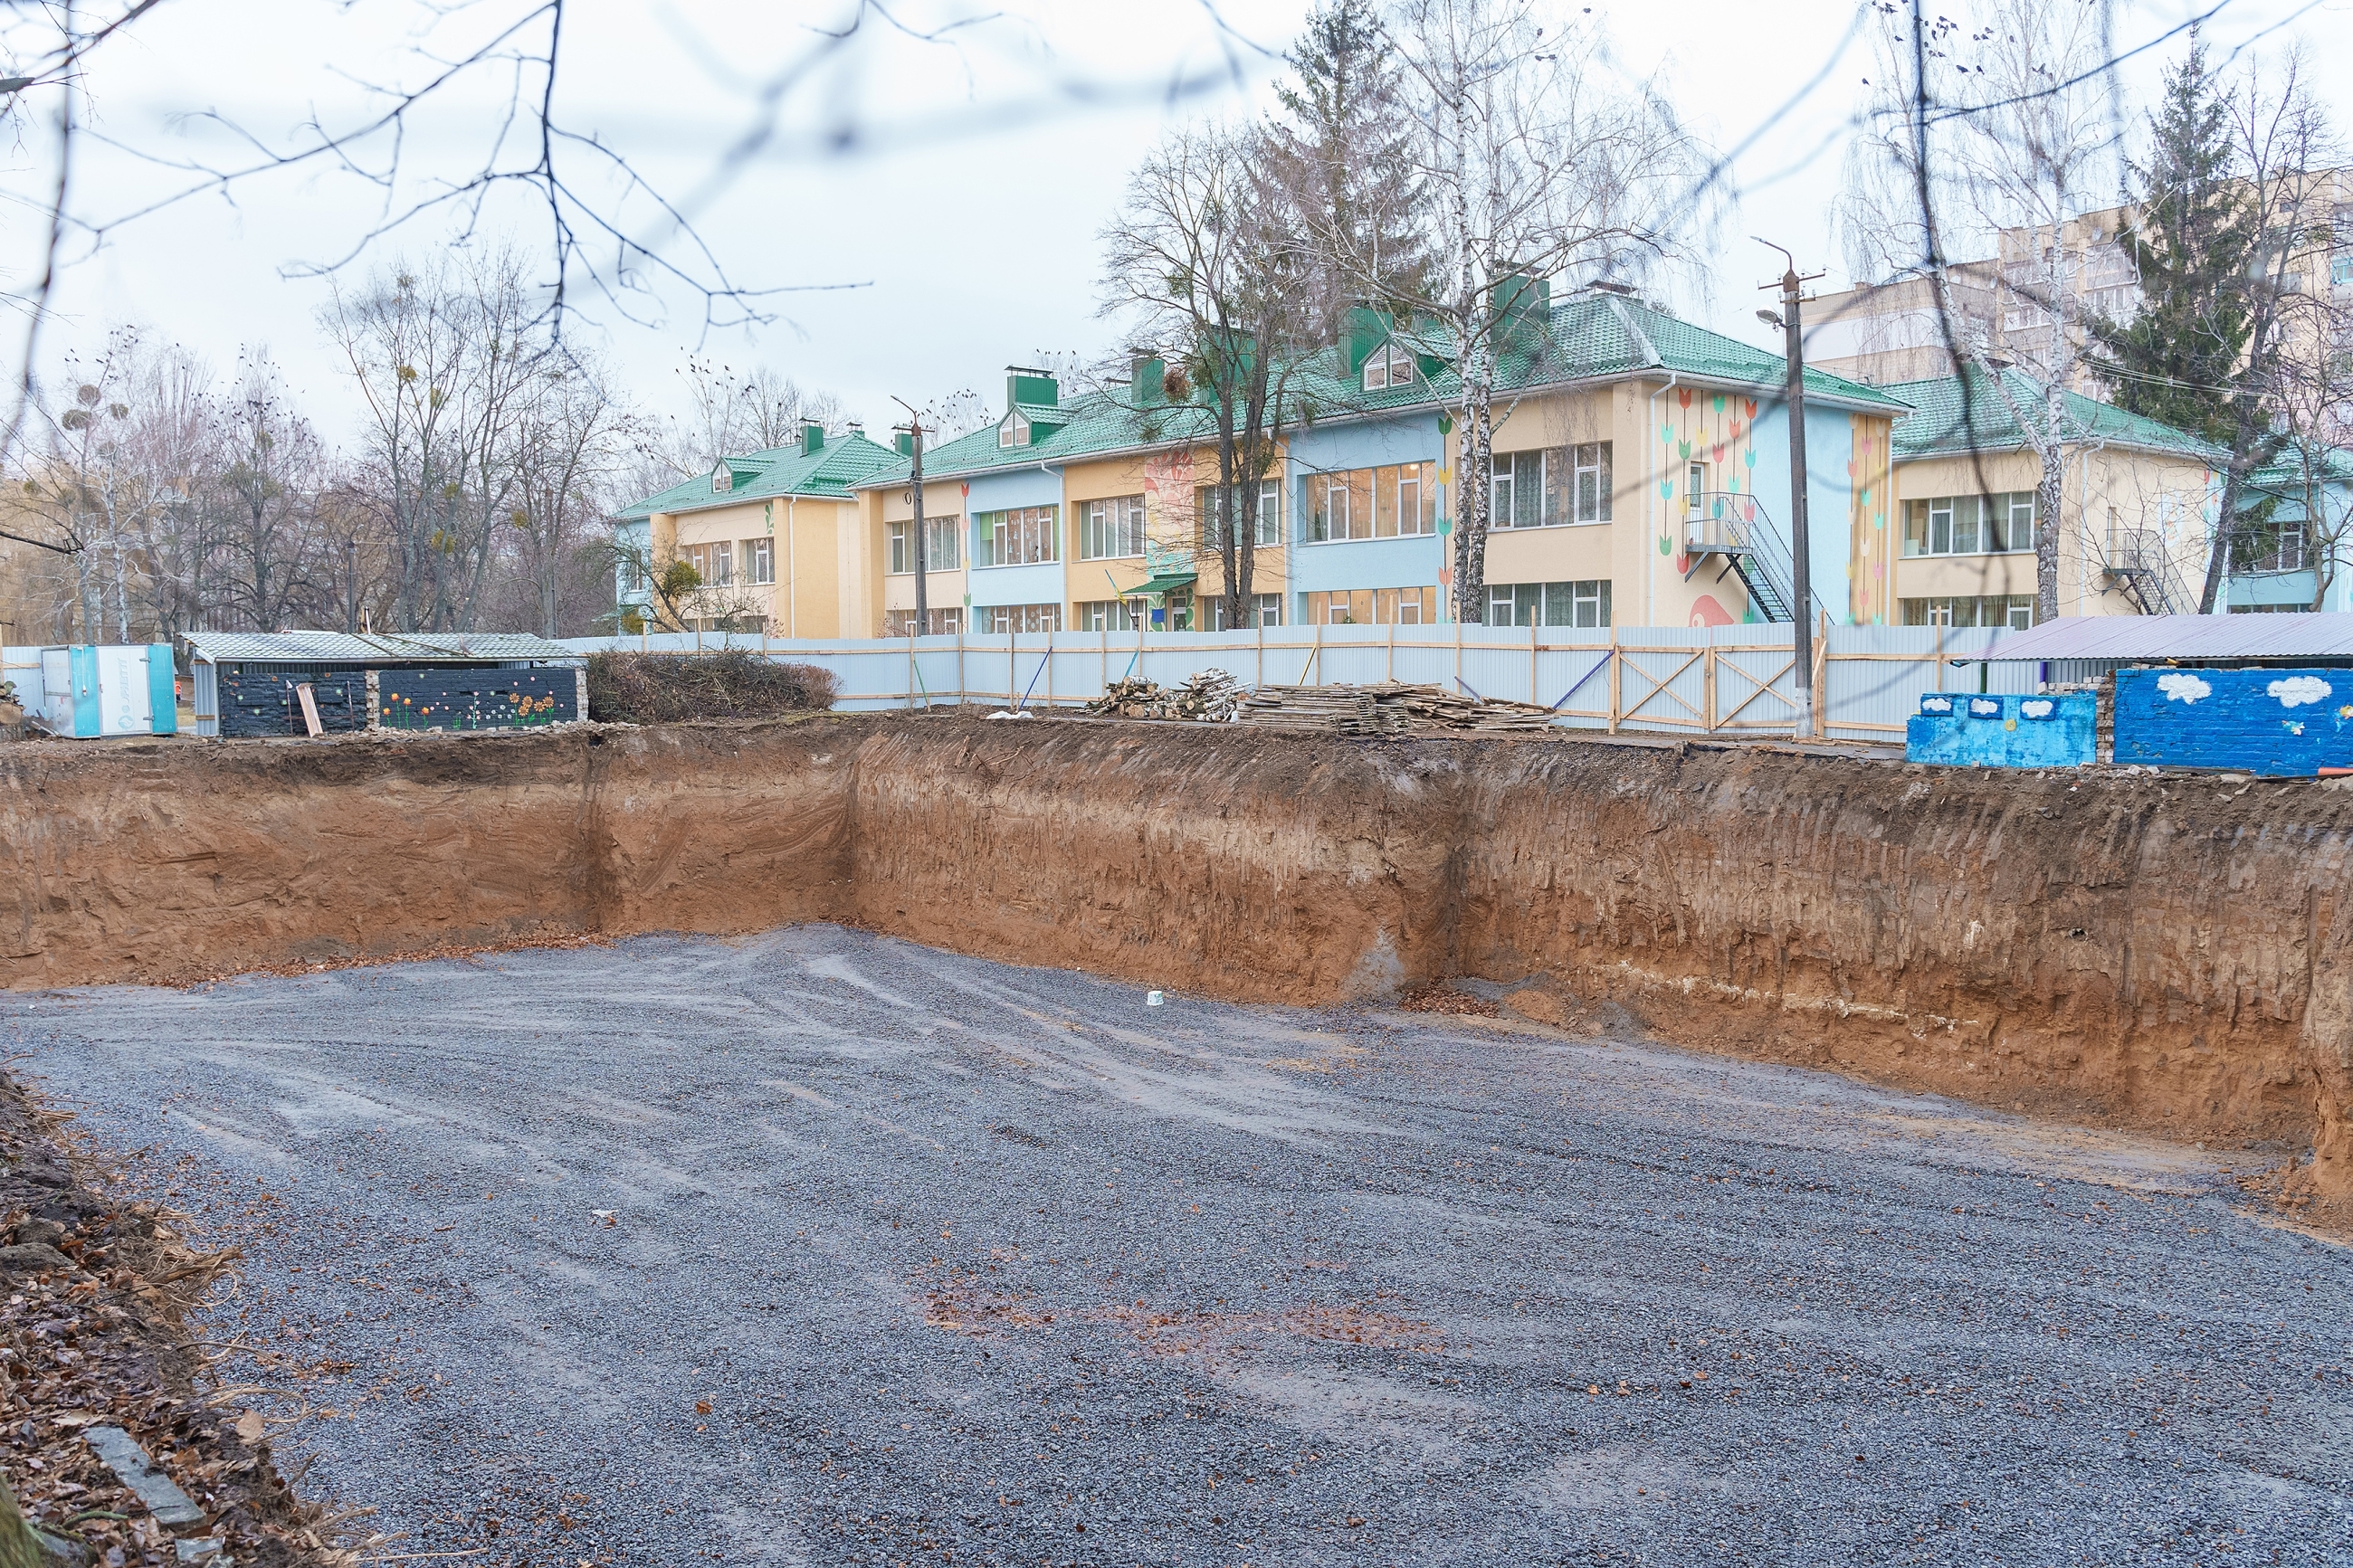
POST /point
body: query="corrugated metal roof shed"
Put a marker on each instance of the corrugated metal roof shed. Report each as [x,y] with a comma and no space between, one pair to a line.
[2145,639]
[373,647]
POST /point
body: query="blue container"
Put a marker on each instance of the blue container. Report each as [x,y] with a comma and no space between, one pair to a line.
[2008,731]
[2282,722]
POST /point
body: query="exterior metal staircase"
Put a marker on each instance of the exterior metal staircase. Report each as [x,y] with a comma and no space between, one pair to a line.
[2140,563]
[1737,528]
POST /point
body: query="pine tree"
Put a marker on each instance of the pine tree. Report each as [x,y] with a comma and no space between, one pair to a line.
[2180,357]
[1346,151]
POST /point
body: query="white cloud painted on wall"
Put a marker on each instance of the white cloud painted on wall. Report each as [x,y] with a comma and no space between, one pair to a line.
[2295,690]
[2180,688]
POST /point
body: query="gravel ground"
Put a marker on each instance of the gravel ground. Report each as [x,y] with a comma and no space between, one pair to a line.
[915,1260]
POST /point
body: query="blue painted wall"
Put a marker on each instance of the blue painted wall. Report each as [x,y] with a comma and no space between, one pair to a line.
[1830,448]
[2285,722]
[1363,562]
[2004,731]
[1038,584]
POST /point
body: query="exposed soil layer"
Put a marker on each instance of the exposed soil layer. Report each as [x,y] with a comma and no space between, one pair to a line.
[2164,951]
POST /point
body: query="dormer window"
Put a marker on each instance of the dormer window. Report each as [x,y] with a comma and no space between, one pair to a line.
[1015,431]
[722,479]
[1388,367]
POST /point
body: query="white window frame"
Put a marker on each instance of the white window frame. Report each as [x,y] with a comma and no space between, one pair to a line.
[1389,365]
[760,563]
[1118,519]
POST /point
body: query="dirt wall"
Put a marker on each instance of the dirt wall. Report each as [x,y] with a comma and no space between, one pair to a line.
[2171,954]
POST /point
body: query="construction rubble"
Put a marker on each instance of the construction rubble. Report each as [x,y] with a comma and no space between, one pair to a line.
[1389,709]
[1212,696]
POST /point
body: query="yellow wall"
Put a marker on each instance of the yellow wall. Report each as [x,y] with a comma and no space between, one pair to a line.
[2105,490]
[816,565]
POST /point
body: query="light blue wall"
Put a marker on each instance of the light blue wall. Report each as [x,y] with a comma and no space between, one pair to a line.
[1830,492]
[2000,731]
[1040,584]
[631,536]
[1362,563]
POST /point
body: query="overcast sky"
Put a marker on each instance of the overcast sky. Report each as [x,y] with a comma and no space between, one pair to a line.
[958,227]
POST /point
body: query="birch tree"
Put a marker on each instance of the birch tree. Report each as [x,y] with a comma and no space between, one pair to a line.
[2002,135]
[1534,162]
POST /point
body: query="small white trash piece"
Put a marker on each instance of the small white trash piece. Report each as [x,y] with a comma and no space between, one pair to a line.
[1151,999]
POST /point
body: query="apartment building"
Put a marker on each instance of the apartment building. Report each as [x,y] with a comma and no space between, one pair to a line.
[1641,476]
[776,538]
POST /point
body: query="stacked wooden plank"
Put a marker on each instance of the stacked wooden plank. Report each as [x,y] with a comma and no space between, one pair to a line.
[1390,707]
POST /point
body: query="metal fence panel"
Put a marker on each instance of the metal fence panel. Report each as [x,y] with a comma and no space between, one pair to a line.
[1736,679]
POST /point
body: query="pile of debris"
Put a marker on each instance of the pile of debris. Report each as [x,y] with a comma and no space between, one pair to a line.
[122,1447]
[1389,708]
[1212,696]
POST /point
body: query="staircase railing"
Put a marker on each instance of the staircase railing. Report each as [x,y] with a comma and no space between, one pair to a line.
[2143,567]
[1737,526]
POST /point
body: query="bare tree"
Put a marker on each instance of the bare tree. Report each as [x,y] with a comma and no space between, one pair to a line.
[1535,164]
[570,451]
[1204,256]
[2287,153]
[2023,161]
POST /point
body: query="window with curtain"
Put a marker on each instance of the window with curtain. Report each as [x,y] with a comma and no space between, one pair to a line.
[1394,502]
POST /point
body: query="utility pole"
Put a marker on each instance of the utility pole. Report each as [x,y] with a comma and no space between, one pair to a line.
[1801,561]
[915,447]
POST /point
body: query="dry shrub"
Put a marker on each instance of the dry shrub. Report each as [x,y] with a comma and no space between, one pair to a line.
[663,689]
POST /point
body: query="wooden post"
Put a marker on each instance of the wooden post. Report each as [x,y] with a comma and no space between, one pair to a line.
[1533,698]
[1105,629]
[1457,653]
[911,664]
[1012,669]
[1316,657]
[1050,672]
[960,686]
[1616,679]
[1260,677]
[1708,688]
[1821,690]
[1940,656]
[1389,657]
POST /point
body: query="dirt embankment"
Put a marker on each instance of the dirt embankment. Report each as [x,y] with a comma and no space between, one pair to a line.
[2160,953]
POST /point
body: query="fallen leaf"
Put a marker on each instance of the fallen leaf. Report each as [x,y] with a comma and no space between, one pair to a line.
[702,1407]
[250,1426]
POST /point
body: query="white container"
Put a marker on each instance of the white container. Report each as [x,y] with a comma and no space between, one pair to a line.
[1151,999]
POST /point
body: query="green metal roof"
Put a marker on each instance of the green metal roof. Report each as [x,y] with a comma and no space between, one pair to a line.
[1161,581]
[829,473]
[1937,426]
[1593,338]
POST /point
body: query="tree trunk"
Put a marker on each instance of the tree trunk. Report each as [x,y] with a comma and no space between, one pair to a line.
[1472,490]
[2049,493]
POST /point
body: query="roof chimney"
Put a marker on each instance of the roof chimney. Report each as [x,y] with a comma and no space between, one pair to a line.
[1025,384]
[812,438]
[1148,378]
